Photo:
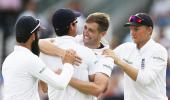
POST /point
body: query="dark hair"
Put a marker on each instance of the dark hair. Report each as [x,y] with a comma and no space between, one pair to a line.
[35,47]
[63,31]
[62,19]
[25,26]
[22,37]
[101,19]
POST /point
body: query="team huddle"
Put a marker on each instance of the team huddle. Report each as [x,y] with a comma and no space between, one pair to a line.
[78,67]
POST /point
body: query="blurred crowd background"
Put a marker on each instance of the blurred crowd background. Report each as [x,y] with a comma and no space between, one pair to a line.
[119,11]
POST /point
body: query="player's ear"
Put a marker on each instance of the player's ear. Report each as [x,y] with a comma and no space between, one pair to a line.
[33,36]
[103,33]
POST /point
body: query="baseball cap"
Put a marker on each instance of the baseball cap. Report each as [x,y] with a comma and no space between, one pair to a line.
[27,25]
[63,17]
[139,19]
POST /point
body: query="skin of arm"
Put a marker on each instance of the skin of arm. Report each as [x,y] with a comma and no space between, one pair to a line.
[128,69]
[43,86]
[47,47]
[94,88]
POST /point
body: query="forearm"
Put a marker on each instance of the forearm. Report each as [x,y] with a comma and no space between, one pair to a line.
[128,69]
[43,86]
[58,81]
[85,87]
[46,46]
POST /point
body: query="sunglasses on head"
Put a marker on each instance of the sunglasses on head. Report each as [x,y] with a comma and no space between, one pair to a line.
[137,19]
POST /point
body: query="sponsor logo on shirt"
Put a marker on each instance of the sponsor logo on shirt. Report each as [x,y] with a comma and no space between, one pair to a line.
[107,66]
[42,70]
[158,58]
[95,62]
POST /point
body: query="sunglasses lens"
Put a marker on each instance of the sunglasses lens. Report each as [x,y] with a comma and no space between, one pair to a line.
[135,19]
[76,21]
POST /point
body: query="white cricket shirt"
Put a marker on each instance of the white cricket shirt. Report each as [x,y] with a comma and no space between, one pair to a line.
[151,61]
[104,64]
[21,71]
[81,72]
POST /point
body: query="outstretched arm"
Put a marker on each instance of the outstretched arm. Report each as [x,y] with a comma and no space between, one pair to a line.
[47,47]
[157,63]
[128,69]
[47,74]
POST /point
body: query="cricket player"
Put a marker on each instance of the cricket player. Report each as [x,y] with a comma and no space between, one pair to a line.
[144,61]
[95,29]
[22,69]
[64,22]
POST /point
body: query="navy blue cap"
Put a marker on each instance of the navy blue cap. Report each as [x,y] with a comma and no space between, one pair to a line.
[63,17]
[27,25]
[146,20]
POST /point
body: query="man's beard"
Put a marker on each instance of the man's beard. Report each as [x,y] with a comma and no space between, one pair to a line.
[34,47]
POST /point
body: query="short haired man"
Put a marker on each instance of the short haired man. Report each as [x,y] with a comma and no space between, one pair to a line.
[64,23]
[144,61]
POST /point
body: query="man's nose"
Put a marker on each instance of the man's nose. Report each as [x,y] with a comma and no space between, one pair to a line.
[86,32]
[132,32]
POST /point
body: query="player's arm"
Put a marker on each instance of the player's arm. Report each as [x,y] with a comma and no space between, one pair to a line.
[94,88]
[42,86]
[158,62]
[131,71]
[46,46]
[69,58]
[45,74]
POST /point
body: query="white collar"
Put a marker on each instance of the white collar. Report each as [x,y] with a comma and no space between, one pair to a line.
[21,48]
[146,46]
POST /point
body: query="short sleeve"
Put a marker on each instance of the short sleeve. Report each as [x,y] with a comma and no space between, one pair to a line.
[92,60]
[105,65]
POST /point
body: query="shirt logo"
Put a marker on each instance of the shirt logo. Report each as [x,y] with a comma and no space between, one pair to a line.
[158,58]
[95,62]
[107,66]
[42,70]
[143,63]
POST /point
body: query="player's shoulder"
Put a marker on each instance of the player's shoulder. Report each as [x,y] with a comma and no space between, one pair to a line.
[85,53]
[29,58]
[125,46]
[84,49]
[79,38]
[158,48]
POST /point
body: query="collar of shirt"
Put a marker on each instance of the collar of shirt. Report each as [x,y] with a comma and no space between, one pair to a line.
[147,46]
[101,46]
[21,48]
[99,51]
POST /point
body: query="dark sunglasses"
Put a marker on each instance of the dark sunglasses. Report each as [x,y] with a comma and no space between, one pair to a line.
[137,19]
